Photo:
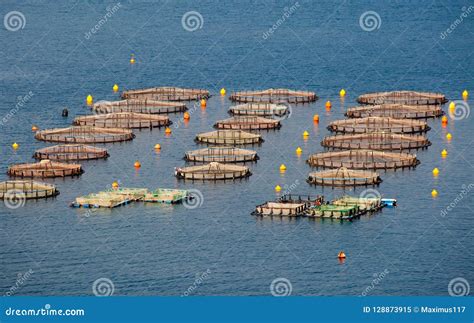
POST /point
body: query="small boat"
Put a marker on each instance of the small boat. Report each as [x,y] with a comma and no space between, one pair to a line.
[389,202]
[164,195]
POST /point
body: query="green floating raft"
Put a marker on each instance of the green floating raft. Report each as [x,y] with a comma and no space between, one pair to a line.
[164,195]
[334,211]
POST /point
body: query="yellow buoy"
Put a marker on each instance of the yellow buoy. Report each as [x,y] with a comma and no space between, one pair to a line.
[435,171]
[342,93]
[168,131]
[203,103]
[157,146]
[132,59]
[137,164]
[444,153]
[434,193]
[15,146]
[34,128]
[316,118]
[115,88]
[115,185]
[89,100]
[277,188]
[299,150]
[223,92]
[465,94]
[282,167]
[449,136]
[452,107]
[328,105]
[341,255]
[305,134]
[444,119]
[186,116]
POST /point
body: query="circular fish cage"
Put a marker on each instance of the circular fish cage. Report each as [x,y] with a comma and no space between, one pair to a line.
[260,109]
[248,123]
[167,94]
[123,120]
[403,97]
[363,159]
[376,141]
[213,171]
[45,168]
[378,124]
[222,155]
[274,96]
[21,189]
[398,111]
[85,134]
[139,106]
[71,152]
[229,137]
[344,177]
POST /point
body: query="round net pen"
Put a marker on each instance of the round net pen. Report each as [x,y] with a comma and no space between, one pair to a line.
[363,159]
[398,111]
[248,123]
[229,137]
[123,120]
[213,171]
[378,124]
[139,106]
[344,177]
[222,155]
[274,96]
[71,152]
[84,135]
[45,168]
[376,141]
[21,189]
[260,109]
[167,94]
[403,97]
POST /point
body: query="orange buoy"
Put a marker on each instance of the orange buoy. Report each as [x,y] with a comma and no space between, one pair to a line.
[203,103]
[115,185]
[168,131]
[157,146]
[34,128]
[341,255]
[444,119]
[137,164]
[186,116]
[316,118]
[328,105]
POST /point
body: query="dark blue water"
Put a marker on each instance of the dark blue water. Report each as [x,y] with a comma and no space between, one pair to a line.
[160,250]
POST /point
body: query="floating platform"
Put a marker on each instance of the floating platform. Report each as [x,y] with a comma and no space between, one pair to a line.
[337,212]
[71,152]
[376,141]
[167,94]
[44,169]
[248,123]
[398,111]
[21,189]
[403,97]
[85,134]
[366,204]
[213,171]
[101,200]
[363,159]
[123,120]
[229,137]
[260,109]
[168,196]
[222,155]
[378,124]
[344,177]
[146,106]
[132,194]
[274,96]
[280,209]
